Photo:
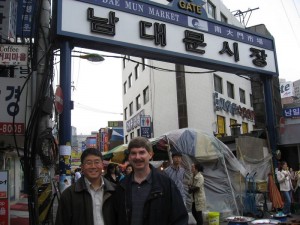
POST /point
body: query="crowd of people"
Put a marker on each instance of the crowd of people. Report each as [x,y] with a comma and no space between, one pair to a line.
[142,195]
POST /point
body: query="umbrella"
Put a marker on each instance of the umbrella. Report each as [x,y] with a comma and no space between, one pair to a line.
[117,154]
[194,143]
[274,194]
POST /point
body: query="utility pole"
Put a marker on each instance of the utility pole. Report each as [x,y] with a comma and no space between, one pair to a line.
[65,128]
[43,171]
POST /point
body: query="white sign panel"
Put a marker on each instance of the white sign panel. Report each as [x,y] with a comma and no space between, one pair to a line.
[167,34]
[13,54]
[286,89]
[11,109]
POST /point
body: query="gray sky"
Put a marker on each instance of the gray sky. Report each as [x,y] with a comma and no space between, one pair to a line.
[97,93]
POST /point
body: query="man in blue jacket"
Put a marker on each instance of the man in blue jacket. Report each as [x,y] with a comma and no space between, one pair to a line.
[147,197]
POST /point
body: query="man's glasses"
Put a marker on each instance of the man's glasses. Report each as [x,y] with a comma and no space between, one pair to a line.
[90,163]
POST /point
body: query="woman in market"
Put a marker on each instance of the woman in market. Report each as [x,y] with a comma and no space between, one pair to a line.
[111,173]
[198,195]
[286,187]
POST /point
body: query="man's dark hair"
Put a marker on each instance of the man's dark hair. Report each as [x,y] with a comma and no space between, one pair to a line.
[198,167]
[140,142]
[90,151]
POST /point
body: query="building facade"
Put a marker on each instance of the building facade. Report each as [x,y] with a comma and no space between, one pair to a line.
[176,96]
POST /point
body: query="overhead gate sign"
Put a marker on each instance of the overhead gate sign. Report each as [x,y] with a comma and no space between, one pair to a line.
[165,32]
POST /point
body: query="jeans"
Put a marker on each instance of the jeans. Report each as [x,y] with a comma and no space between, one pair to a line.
[197,215]
[287,201]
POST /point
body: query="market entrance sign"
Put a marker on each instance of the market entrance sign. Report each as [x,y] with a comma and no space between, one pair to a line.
[177,33]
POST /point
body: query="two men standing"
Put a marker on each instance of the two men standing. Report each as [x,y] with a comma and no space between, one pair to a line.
[145,197]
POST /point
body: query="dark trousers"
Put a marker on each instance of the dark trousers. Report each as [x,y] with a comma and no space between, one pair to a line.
[197,215]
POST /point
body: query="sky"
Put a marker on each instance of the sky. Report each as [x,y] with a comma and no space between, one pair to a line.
[97,92]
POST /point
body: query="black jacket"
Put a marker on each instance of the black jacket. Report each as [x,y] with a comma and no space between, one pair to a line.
[76,206]
[164,205]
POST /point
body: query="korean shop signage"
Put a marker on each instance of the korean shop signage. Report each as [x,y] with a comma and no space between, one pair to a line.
[12,106]
[160,32]
[221,104]
[13,54]
[291,112]
[134,121]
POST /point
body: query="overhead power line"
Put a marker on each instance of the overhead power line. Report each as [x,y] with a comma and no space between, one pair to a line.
[92,109]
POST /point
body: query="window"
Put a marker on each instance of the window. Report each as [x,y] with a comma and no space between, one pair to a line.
[138,102]
[218,84]
[221,125]
[211,9]
[242,96]
[125,113]
[224,18]
[130,80]
[131,135]
[138,132]
[245,127]
[144,63]
[126,139]
[125,87]
[131,108]
[230,90]
[136,71]
[233,121]
[251,100]
[146,95]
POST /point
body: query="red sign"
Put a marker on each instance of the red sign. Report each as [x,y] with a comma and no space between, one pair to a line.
[59,100]
[7,128]
[4,213]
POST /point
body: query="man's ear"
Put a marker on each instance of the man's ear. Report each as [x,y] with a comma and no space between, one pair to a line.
[151,154]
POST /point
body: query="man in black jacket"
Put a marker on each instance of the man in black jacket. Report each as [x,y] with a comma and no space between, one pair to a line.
[88,201]
[147,197]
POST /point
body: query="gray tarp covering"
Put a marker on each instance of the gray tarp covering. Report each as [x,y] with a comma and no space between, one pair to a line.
[222,170]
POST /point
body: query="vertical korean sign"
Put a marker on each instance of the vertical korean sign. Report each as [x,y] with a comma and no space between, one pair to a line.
[4,198]
[146,126]
[12,111]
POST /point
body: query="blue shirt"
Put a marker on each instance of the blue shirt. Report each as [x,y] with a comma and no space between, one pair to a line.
[177,175]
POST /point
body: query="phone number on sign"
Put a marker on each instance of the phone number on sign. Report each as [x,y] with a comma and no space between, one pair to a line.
[7,128]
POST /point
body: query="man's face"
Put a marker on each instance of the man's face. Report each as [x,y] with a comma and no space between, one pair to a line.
[177,160]
[139,158]
[92,167]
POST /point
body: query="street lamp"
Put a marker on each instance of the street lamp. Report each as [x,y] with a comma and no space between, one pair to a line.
[92,57]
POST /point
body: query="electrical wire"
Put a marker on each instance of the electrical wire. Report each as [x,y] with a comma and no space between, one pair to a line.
[296,8]
[146,65]
[291,26]
[89,108]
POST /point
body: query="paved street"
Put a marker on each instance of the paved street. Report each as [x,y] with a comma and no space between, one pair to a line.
[19,215]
